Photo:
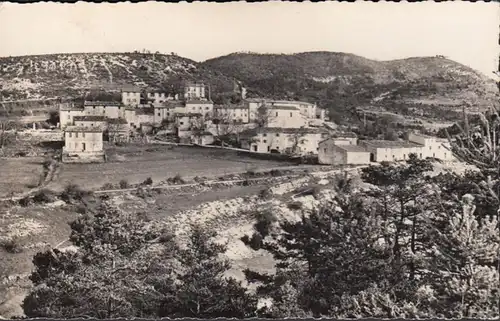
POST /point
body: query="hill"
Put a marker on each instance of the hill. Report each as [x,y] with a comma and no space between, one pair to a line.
[341,80]
[69,75]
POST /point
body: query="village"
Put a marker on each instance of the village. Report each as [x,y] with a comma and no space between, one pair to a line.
[256,125]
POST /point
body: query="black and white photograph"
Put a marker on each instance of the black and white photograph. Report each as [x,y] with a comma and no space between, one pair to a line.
[250,160]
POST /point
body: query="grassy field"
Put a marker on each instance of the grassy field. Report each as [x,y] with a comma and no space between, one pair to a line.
[19,174]
[135,163]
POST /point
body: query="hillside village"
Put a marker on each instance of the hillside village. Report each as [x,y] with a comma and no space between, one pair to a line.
[258,125]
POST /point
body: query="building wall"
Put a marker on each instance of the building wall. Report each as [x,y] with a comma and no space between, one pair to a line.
[286,118]
[203,108]
[433,147]
[265,143]
[329,155]
[82,142]
[358,158]
[194,91]
[93,123]
[233,114]
[66,117]
[131,98]
[163,113]
[345,141]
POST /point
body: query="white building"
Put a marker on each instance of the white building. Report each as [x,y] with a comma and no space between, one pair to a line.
[204,107]
[389,151]
[158,97]
[67,114]
[237,114]
[83,144]
[299,141]
[131,96]
[283,116]
[433,147]
[308,110]
[90,121]
[194,91]
[330,153]
[109,109]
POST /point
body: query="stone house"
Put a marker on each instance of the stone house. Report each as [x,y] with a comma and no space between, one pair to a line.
[204,107]
[90,121]
[118,130]
[228,114]
[131,96]
[193,90]
[330,153]
[282,117]
[67,114]
[83,145]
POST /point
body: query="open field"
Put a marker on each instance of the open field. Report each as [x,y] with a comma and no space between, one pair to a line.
[160,162]
[19,174]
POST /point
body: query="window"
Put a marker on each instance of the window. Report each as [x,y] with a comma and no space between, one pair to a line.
[268,148]
[158,114]
[264,141]
[291,115]
[76,135]
[324,150]
[207,108]
[92,124]
[276,114]
[420,155]
[444,155]
[434,155]
[69,116]
[69,135]
[277,134]
[83,135]
[264,135]
[277,147]
[430,147]
[168,114]
[439,147]
[182,123]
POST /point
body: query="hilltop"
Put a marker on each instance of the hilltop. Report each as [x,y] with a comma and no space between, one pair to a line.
[340,79]
[69,75]
[336,81]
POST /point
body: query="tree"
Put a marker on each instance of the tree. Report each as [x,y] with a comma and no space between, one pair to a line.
[465,276]
[203,291]
[53,117]
[7,132]
[113,274]
[264,116]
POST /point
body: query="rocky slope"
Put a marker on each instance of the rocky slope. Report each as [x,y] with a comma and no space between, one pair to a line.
[68,75]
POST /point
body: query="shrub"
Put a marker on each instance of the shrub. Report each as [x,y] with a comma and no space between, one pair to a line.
[25,201]
[178,179]
[44,196]
[12,246]
[107,186]
[73,192]
[295,206]
[264,221]
[148,181]
[265,193]
[124,184]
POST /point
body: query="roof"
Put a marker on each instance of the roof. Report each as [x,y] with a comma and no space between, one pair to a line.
[282,107]
[352,148]
[344,134]
[83,129]
[117,121]
[101,103]
[90,118]
[193,83]
[188,114]
[278,130]
[131,89]
[199,101]
[391,144]
[231,107]
[71,108]
[144,111]
[272,101]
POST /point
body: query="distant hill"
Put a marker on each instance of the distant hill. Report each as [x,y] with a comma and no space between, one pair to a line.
[336,81]
[341,80]
[69,75]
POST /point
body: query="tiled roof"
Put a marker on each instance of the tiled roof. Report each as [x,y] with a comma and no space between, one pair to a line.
[117,121]
[188,114]
[352,148]
[144,111]
[273,107]
[90,118]
[131,89]
[231,107]
[71,108]
[390,144]
[101,103]
[198,101]
[83,129]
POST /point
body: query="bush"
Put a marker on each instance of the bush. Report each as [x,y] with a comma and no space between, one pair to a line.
[12,246]
[148,181]
[264,221]
[26,201]
[124,184]
[73,192]
[177,179]
[107,186]
[44,196]
[295,206]
[265,193]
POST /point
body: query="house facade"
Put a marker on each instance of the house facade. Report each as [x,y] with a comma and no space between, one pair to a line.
[194,90]
[301,141]
[204,107]
[237,114]
[131,96]
[67,114]
[83,144]
[432,146]
[90,121]
[283,117]
[330,153]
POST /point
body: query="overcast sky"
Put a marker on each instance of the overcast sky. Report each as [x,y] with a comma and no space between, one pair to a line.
[463,31]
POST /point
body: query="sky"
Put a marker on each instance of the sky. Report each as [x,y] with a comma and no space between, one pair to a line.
[463,31]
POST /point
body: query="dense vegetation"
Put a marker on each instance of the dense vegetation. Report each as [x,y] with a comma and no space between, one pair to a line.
[412,246]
